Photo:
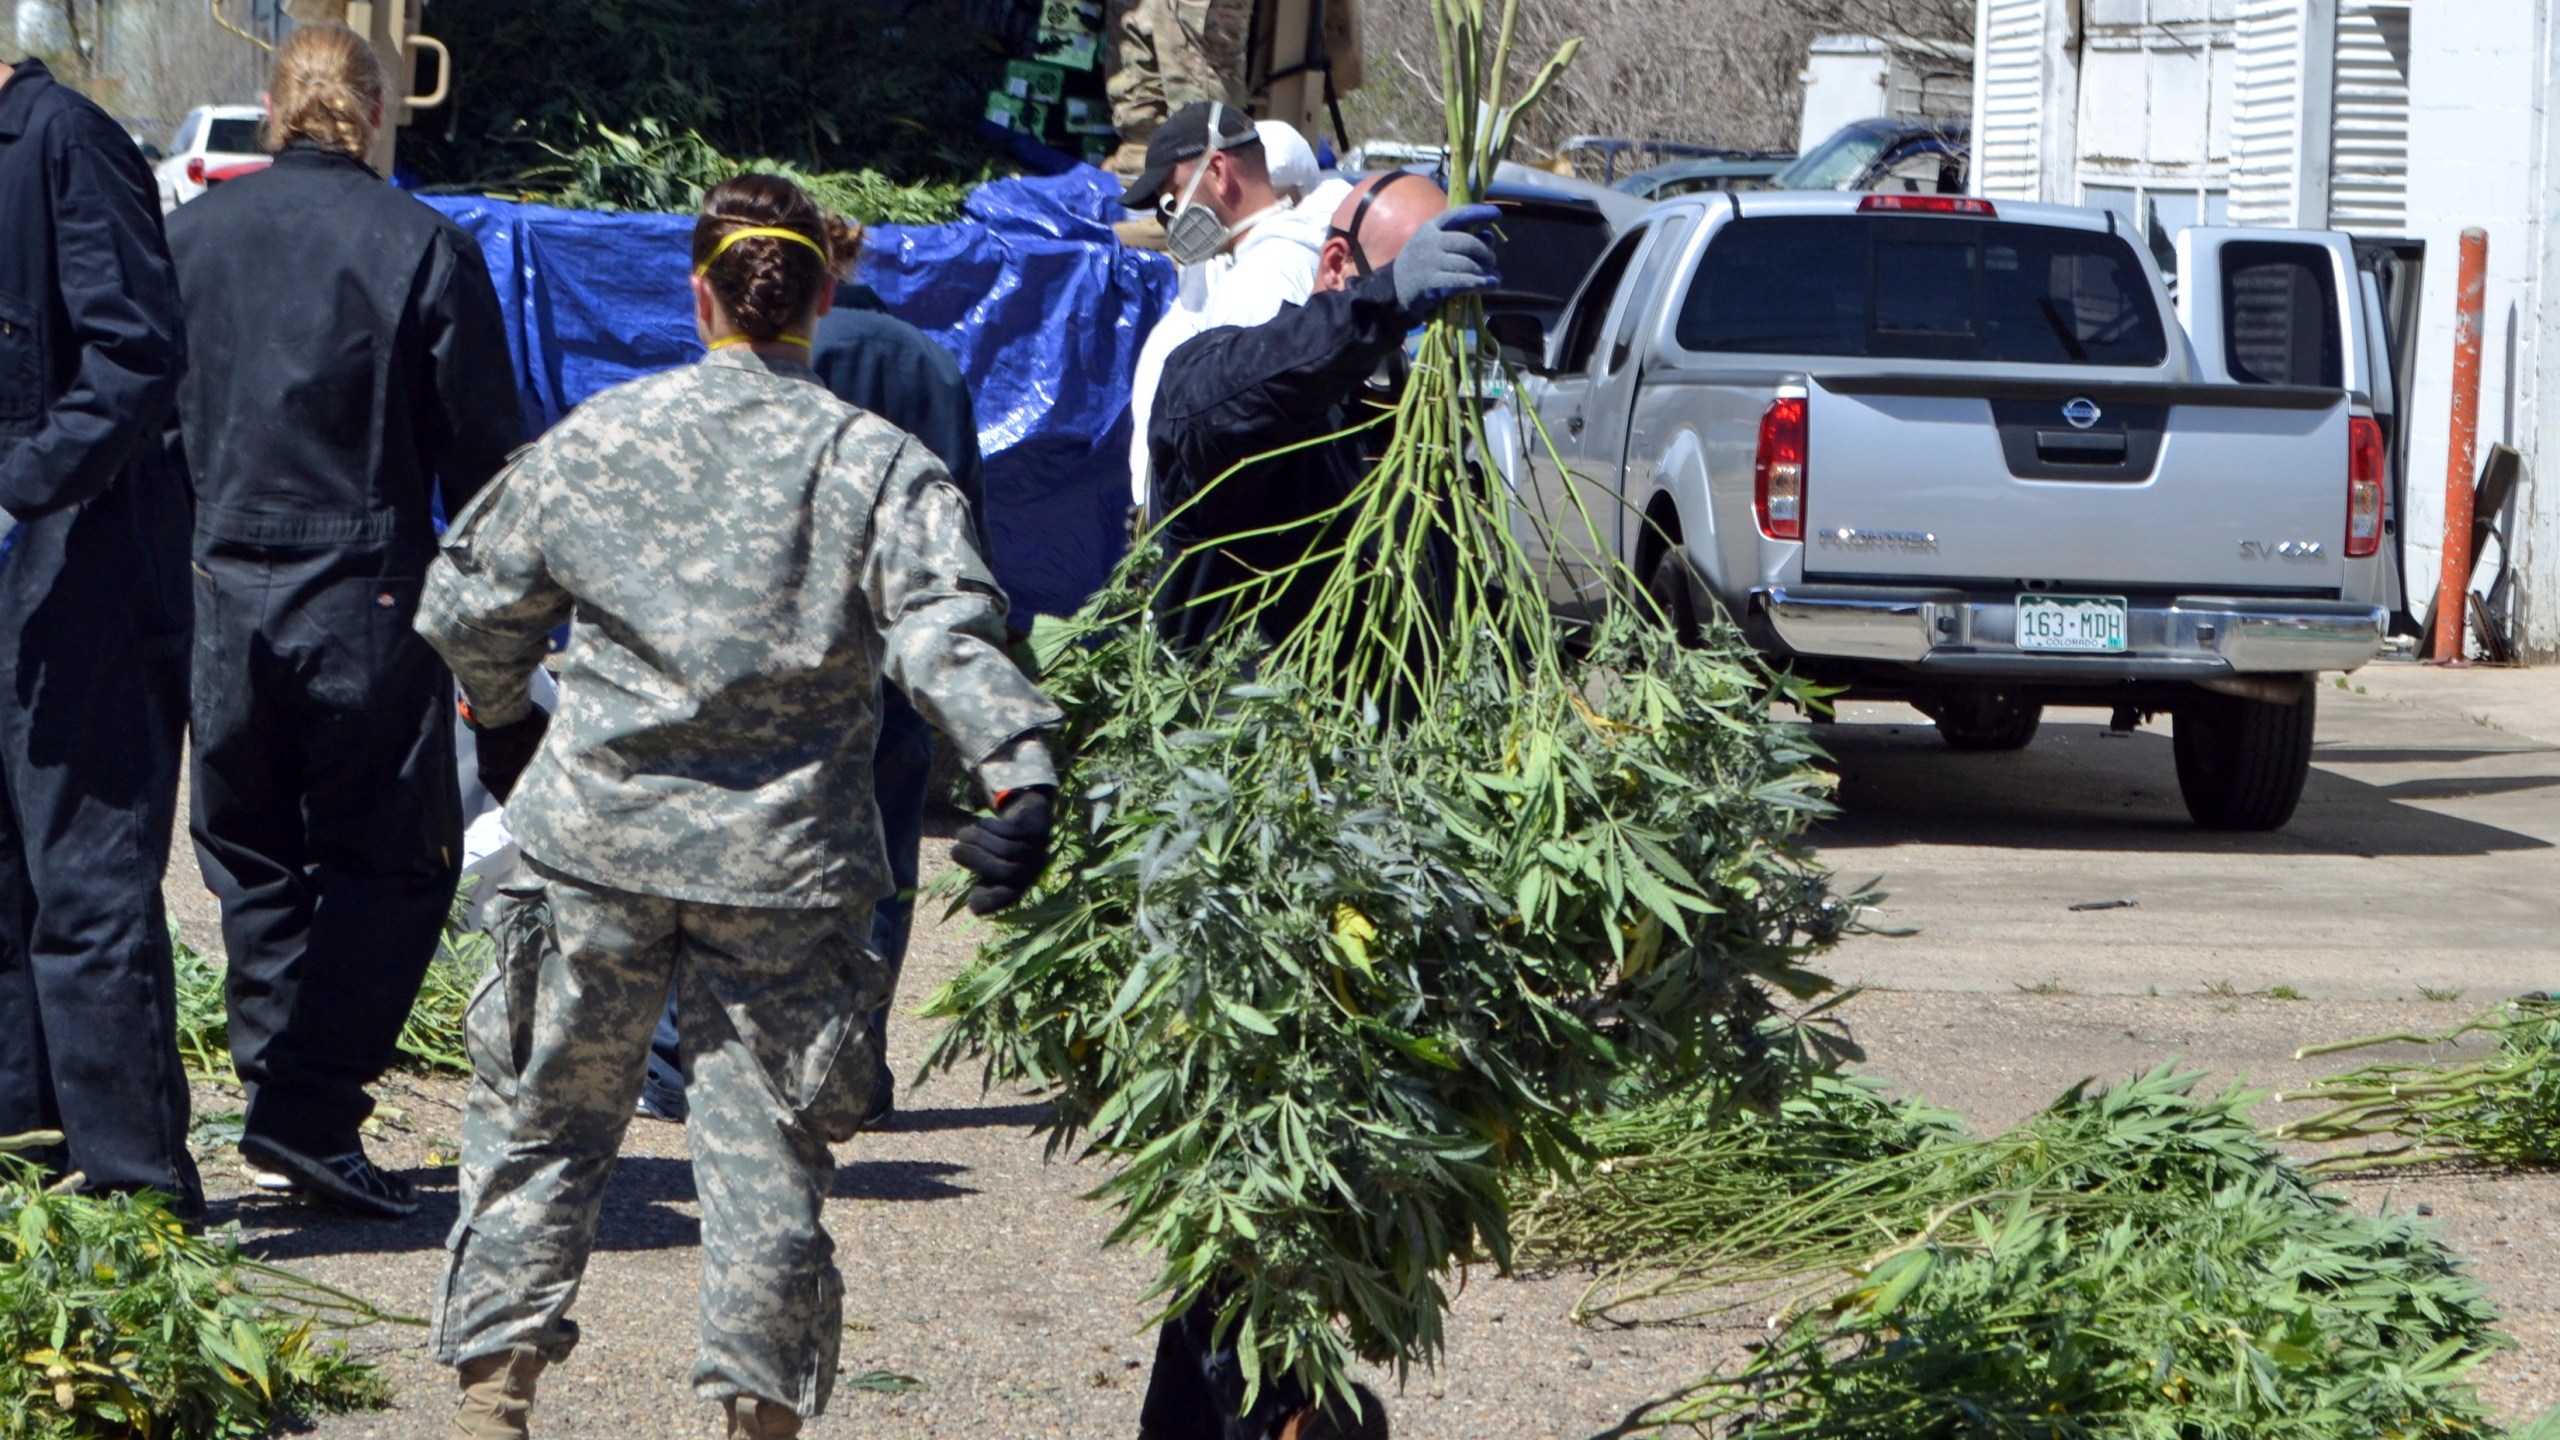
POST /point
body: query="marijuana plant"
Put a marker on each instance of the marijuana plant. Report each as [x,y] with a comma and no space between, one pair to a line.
[1352,929]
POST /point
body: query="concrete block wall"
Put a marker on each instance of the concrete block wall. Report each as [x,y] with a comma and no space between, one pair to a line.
[2481,133]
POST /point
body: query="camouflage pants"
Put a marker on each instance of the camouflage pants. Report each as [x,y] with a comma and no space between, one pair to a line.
[1165,54]
[778,1065]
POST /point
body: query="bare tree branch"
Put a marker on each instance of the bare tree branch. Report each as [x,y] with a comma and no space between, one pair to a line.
[1715,72]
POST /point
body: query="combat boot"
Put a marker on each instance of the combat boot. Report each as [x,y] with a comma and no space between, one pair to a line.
[754,1419]
[497,1395]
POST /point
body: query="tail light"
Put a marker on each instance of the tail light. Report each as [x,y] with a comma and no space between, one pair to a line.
[195,170]
[2364,485]
[1777,475]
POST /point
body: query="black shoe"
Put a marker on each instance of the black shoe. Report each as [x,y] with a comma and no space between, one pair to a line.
[884,1096]
[349,1181]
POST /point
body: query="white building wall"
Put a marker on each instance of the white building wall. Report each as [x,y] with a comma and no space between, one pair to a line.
[2311,104]
[2478,121]
[2157,85]
[2537,516]
[1844,82]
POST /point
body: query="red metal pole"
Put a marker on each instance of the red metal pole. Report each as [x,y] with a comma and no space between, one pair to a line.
[2453,578]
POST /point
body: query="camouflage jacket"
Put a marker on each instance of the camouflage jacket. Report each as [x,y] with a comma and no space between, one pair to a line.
[746,556]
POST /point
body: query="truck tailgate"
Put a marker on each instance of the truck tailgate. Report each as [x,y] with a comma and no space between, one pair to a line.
[2194,487]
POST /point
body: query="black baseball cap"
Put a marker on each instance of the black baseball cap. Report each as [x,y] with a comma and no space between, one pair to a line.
[1185,136]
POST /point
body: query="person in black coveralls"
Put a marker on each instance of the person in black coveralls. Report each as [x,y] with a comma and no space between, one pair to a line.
[93,645]
[352,363]
[1393,255]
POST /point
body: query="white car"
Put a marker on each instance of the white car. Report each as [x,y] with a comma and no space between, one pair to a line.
[211,138]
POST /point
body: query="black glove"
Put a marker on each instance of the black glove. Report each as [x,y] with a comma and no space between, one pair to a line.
[1006,850]
[1443,259]
[505,750]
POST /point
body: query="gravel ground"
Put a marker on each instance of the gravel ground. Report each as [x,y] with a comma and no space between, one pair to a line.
[972,1266]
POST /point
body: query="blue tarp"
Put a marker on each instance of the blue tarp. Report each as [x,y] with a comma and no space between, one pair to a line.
[1043,308]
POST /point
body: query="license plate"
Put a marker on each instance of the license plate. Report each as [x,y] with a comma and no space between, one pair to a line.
[2092,623]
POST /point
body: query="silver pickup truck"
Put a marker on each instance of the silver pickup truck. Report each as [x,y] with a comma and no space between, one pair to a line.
[1970,456]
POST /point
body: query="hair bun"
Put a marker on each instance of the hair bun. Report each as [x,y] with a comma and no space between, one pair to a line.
[326,88]
[767,285]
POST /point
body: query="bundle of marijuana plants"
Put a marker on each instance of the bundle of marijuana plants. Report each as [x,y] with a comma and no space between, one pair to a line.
[117,1322]
[1350,930]
[2131,1263]
[2501,1109]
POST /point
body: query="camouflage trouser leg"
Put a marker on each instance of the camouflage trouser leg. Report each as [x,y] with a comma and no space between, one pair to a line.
[1165,54]
[778,1064]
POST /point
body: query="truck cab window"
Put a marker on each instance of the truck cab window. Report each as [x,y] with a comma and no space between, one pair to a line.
[1670,233]
[1935,288]
[1591,308]
[2280,309]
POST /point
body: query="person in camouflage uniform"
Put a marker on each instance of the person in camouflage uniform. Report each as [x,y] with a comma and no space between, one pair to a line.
[1165,54]
[747,557]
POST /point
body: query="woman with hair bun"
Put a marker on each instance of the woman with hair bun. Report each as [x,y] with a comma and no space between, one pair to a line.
[748,559]
[348,370]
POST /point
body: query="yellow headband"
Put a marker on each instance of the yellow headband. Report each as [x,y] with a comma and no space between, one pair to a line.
[771,232]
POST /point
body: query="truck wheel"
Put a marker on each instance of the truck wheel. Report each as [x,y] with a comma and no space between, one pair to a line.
[1993,720]
[2241,763]
[1670,586]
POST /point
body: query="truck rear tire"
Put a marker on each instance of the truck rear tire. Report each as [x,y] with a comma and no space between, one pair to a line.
[1987,722]
[1671,587]
[2242,763]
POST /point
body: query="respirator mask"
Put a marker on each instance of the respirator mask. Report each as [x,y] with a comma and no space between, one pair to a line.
[1193,234]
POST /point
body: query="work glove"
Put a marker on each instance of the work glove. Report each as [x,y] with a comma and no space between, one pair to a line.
[1444,259]
[1006,850]
[504,750]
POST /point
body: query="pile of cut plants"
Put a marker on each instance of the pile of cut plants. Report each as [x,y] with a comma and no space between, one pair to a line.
[1354,926]
[116,1322]
[2502,1110]
[2132,1262]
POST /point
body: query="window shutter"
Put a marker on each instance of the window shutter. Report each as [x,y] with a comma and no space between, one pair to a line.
[2267,113]
[2369,119]
[2008,112]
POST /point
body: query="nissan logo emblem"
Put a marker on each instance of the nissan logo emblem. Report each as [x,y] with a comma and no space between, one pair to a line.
[2081,411]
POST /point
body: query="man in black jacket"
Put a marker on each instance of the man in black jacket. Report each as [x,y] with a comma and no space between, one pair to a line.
[871,358]
[93,637]
[354,370]
[1394,255]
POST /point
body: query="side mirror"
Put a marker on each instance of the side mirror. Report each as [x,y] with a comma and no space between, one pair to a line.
[1522,336]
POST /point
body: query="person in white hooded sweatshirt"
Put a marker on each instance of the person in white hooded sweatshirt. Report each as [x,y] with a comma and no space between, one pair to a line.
[1260,182]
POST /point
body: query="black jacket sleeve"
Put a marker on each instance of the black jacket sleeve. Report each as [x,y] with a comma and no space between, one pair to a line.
[1231,394]
[477,422]
[122,298]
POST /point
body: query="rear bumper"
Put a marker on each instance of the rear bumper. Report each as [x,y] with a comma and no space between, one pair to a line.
[1954,634]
